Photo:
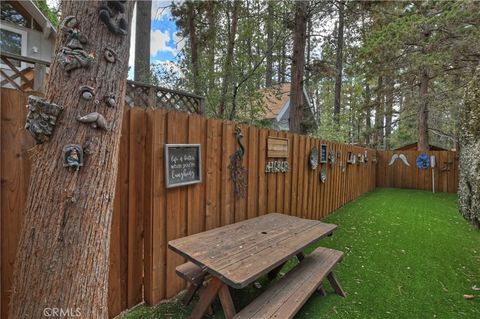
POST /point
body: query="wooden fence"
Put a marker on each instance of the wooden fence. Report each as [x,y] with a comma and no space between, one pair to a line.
[147,215]
[399,175]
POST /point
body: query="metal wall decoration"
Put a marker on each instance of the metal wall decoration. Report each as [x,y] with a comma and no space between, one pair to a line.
[237,170]
[323,153]
[73,56]
[331,157]
[110,100]
[359,158]
[365,157]
[112,13]
[276,167]
[423,161]
[41,118]
[73,156]
[323,175]
[402,157]
[87,92]
[351,158]
[342,167]
[313,158]
[96,120]
[110,55]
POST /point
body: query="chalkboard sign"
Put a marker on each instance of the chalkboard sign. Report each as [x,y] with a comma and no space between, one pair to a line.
[182,164]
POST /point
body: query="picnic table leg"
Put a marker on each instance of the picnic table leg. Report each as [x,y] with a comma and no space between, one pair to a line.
[192,289]
[336,285]
[300,256]
[321,290]
[227,302]
[206,298]
[274,272]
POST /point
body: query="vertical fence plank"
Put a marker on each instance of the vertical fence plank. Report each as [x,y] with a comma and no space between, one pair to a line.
[227,199]
[293,167]
[117,282]
[176,206]
[253,169]
[212,187]
[262,177]
[136,192]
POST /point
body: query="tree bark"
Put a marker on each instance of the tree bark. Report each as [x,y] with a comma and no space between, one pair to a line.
[269,59]
[63,253]
[389,101]
[378,129]
[422,114]
[469,186]
[142,41]
[368,121]
[298,66]
[192,32]
[227,69]
[339,64]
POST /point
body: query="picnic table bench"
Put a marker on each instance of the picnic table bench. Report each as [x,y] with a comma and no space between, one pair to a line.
[238,254]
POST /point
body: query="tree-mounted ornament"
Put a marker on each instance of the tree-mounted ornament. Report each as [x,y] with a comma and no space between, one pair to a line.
[72,156]
[237,170]
[110,55]
[96,120]
[87,92]
[72,55]
[41,118]
[110,100]
[112,14]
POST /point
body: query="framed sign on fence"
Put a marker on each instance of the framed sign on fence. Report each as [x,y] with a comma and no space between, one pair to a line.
[183,164]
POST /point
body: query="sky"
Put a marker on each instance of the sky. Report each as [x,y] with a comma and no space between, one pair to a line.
[164,44]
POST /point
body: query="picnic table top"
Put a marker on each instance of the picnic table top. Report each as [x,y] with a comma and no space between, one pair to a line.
[240,253]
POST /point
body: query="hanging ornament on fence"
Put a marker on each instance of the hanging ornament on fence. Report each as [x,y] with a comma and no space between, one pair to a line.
[237,170]
[331,157]
[402,157]
[323,175]
[423,161]
[313,158]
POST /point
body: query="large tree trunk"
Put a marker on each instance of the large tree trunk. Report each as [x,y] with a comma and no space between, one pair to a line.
[422,114]
[339,64]
[269,59]
[378,129]
[192,32]
[63,253]
[142,41]
[227,68]
[368,121]
[389,101]
[298,66]
[469,188]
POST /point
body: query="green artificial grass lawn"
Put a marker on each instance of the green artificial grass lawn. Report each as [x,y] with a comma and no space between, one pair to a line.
[408,254]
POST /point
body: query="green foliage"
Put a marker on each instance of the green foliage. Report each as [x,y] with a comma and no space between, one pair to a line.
[52,14]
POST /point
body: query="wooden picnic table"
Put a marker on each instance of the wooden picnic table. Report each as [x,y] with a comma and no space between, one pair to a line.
[238,254]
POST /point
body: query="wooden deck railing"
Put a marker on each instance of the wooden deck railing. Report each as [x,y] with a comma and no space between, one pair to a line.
[32,74]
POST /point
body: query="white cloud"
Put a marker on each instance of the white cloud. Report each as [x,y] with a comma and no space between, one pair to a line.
[158,42]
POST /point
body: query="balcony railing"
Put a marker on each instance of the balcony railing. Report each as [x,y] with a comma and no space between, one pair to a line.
[32,76]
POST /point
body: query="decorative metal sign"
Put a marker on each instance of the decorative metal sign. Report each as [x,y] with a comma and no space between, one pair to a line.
[277,147]
[323,175]
[182,164]
[313,159]
[351,158]
[323,153]
[276,167]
